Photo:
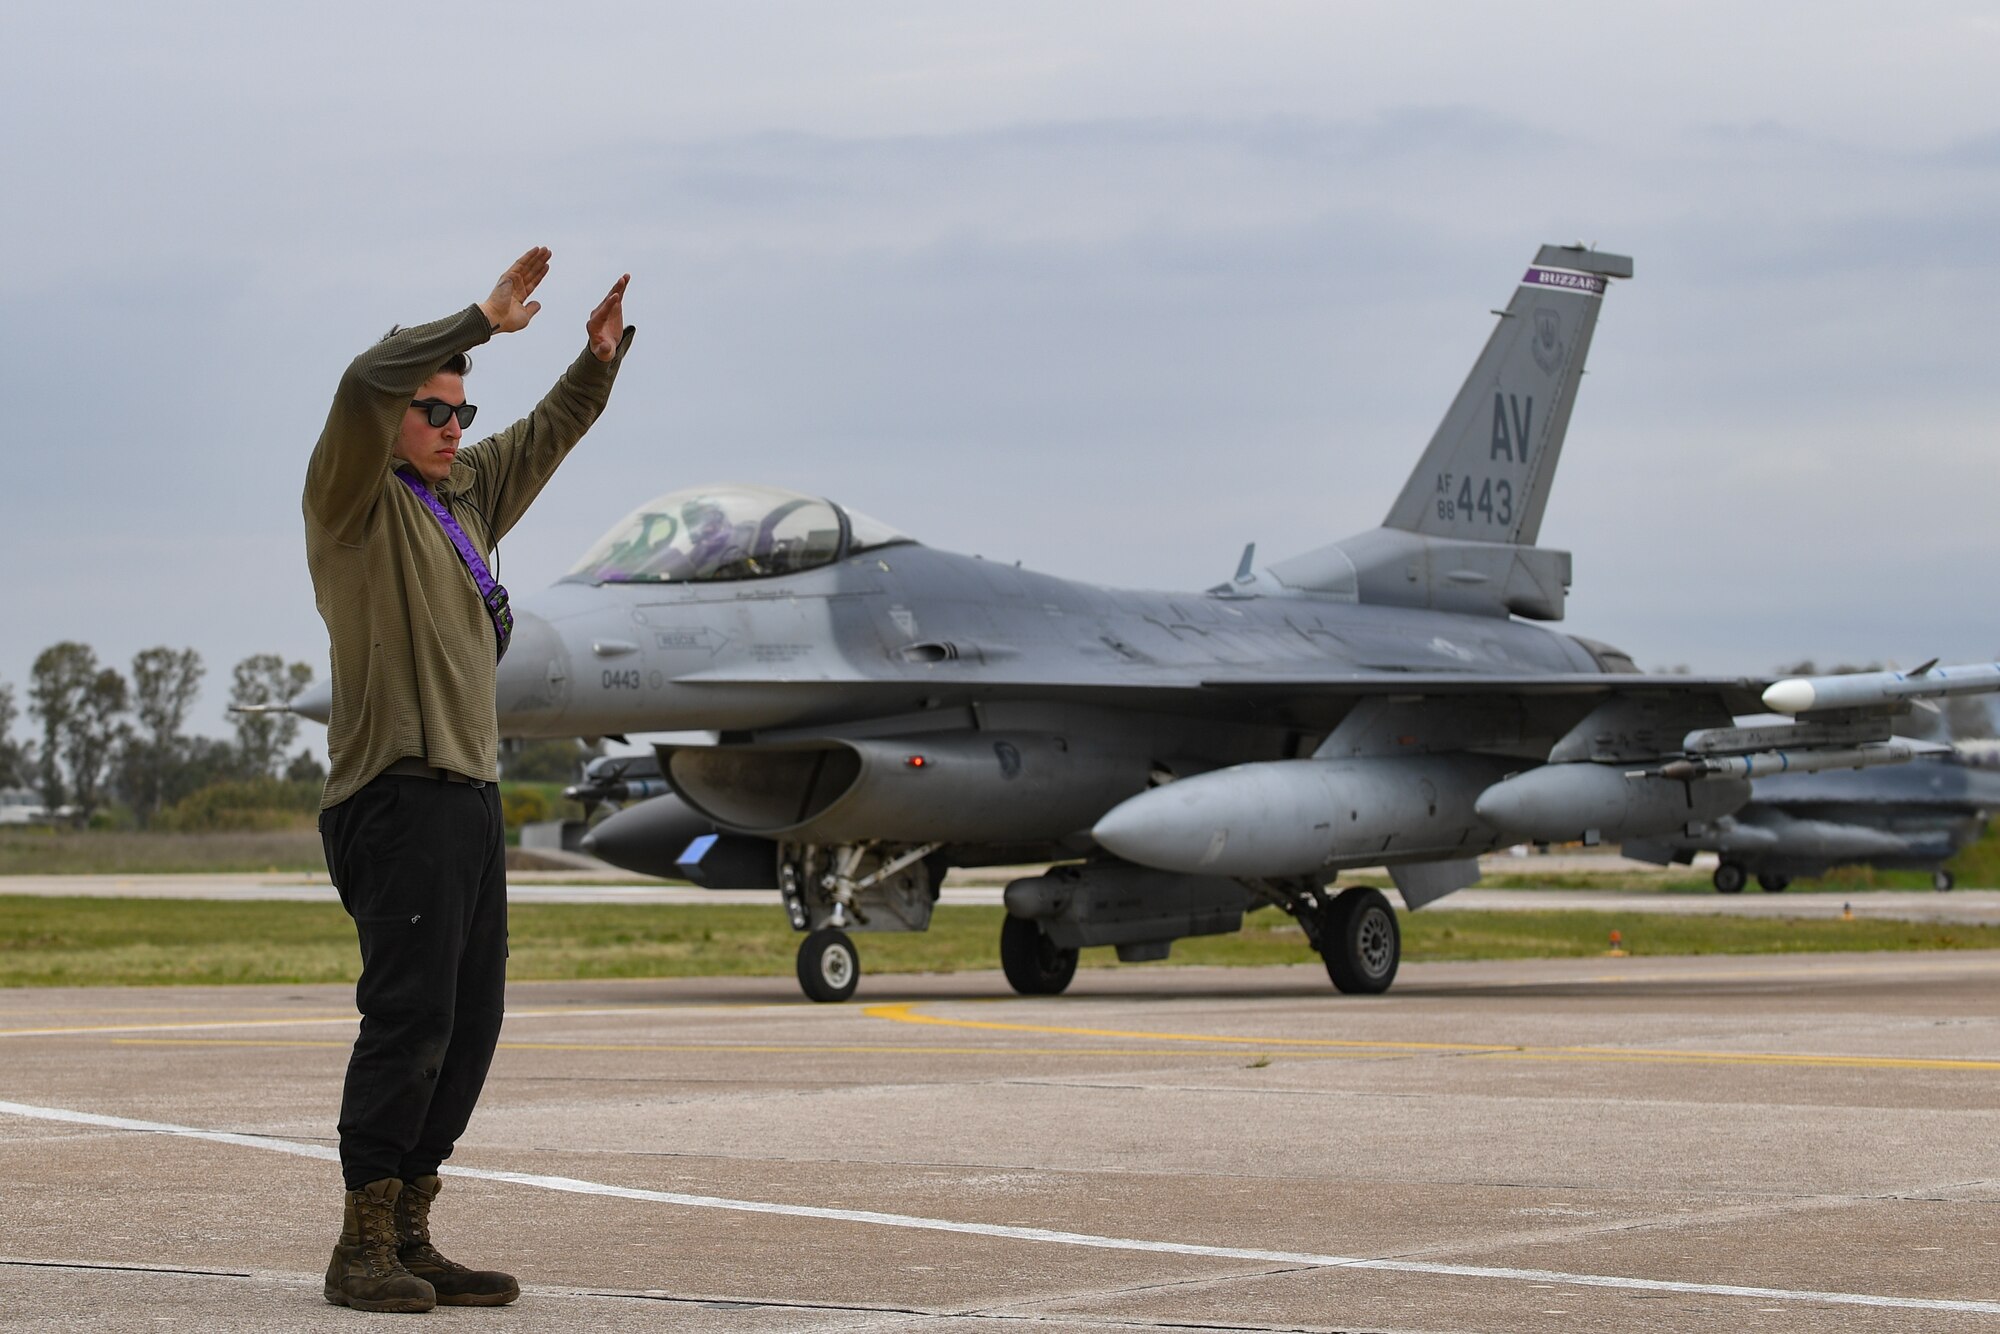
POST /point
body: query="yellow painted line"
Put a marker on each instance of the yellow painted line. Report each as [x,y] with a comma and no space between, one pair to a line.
[89,1029]
[772,1049]
[85,1030]
[725,1048]
[341,1044]
[906,1013]
[1670,1056]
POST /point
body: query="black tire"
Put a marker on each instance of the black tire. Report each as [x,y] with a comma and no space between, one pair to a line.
[1035,965]
[1773,884]
[829,966]
[1361,943]
[1943,881]
[1729,878]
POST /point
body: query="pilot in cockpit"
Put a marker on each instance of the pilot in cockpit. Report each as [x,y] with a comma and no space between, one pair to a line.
[708,542]
[711,537]
[727,533]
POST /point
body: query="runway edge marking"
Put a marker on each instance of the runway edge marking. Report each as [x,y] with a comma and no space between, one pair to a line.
[1043,1236]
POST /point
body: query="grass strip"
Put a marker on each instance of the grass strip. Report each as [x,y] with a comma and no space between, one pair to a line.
[47,941]
[54,851]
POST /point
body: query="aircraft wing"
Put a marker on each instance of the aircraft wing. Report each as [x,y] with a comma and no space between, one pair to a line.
[1308,701]
[1323,695]
[1739,694]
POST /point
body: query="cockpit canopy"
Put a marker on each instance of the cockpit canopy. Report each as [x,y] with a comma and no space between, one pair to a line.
[717,533]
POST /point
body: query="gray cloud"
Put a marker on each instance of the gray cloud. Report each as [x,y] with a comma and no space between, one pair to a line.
[1108,295]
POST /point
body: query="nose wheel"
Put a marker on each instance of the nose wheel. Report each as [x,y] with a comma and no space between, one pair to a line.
[829,967]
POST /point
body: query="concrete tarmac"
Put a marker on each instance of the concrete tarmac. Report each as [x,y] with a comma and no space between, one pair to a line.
[1749,1143]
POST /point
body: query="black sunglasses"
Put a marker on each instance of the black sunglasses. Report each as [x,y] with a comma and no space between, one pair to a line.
[437,411]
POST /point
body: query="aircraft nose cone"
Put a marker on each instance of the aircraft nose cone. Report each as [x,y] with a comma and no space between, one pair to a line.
[533,679]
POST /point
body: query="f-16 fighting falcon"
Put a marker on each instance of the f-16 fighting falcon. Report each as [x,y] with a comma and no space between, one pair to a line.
[883,711]
[1913,817]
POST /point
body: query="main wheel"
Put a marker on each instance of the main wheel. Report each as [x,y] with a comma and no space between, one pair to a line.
[1361,942]
[1035,965]
[1729,878]
[1773,884]
[1942,881]
[829,968]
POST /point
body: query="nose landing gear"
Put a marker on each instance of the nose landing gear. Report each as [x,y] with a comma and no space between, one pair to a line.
[864,886]
[829,965]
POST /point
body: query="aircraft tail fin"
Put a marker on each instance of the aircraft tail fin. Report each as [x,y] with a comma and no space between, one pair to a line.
[1462,535]
[1486,475]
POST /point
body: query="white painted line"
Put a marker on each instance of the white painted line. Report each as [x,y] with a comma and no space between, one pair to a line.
[292,1147]
[96,1030]
[1042,1236]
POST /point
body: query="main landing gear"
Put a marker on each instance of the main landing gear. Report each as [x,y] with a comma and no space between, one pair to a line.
[1034,964]
[1355,933]
[1360,942]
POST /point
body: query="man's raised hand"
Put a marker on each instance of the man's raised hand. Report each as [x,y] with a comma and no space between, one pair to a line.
[606,325]
[509,309]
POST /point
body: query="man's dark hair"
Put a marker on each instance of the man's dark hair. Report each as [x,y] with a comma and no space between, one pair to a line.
[459,363]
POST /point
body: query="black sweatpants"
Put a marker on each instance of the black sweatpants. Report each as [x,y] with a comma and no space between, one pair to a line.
[420,864]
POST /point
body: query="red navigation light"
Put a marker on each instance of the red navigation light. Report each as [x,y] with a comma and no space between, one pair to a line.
[916,761]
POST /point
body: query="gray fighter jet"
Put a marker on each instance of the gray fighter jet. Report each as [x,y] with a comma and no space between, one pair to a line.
[883,711]
[1915,817]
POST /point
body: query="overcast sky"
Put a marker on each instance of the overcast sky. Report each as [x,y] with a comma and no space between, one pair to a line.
[1109,289]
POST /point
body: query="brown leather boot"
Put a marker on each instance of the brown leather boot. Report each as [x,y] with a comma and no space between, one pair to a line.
[455,1284]
[364,1272]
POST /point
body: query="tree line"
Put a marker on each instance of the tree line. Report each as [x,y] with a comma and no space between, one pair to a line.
[102,736]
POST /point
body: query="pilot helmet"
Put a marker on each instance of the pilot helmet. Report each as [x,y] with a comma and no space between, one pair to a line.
[703,518]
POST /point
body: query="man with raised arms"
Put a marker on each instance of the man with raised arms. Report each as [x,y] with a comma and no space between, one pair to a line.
[401,519]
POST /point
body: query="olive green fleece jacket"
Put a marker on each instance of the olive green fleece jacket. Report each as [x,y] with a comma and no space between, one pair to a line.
[411,642]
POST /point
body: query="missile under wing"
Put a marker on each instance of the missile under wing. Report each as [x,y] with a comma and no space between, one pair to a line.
[883,710]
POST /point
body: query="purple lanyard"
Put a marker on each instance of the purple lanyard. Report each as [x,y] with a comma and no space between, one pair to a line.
[490,591]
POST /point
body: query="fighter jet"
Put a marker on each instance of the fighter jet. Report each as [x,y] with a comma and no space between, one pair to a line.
[1914,817]
[882,711]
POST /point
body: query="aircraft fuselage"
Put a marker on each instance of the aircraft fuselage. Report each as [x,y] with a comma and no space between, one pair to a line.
[912,629]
